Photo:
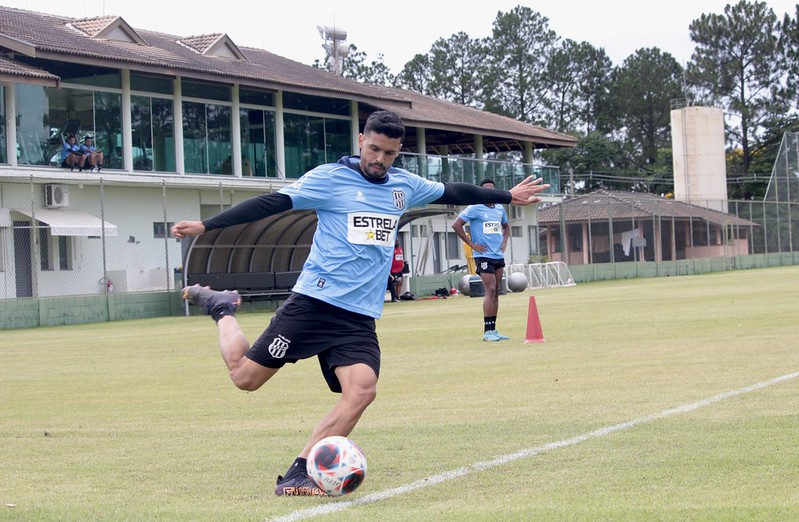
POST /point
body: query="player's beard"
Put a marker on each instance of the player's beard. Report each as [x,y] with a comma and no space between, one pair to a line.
[376,170]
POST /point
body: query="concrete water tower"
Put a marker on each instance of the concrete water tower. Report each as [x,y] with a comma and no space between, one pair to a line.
[700,169]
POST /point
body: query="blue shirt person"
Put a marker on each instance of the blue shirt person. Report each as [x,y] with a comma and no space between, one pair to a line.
[71,155]
[340,291]
[489,229]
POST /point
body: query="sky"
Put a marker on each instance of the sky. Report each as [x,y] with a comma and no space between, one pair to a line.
[400,30]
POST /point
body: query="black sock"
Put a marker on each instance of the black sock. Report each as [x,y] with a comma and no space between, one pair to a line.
[299,466]
[489,323]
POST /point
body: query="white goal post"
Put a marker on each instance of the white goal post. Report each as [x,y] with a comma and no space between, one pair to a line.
[544,275]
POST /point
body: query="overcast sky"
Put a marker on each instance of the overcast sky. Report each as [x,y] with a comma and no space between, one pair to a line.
[401,29]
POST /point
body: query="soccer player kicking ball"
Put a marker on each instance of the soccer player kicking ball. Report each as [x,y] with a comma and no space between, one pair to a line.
[340,292]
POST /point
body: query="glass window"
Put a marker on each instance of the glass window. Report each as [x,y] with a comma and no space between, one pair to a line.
[206,138]
[44,249]
[152,126]
[207,91]
[145,83]
[64,253]
[160,231]
[45,116]
[258,143]
[71,72]
[108,128]
[304,102]
[253,97]
[312,141]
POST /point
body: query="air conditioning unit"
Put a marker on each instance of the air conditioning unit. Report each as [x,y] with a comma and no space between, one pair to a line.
[56,196]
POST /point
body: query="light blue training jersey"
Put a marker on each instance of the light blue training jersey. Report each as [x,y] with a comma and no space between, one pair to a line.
[485,228]
[353,246]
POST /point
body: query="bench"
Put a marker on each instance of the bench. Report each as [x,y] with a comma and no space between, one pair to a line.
[249,284]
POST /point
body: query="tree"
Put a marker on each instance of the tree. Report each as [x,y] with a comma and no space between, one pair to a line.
[643,88]
[578,76]
[737,63]
[415,75]
[458,66]
[356,68]
[520,46]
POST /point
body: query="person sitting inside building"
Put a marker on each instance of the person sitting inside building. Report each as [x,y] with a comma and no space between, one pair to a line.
[92,158]
[71,156]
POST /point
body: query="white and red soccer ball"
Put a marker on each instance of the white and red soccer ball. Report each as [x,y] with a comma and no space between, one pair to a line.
[337,465]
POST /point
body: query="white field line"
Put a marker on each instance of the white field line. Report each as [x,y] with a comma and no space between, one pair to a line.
[334,507]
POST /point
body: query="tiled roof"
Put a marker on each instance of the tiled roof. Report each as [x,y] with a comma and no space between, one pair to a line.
[13,68]
[602,205]
[91,26]
[62,38]
[200,43]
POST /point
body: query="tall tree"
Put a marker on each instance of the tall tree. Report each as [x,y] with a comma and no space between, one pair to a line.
[643,89]
[521,44]
[458,65]
[415,75]
[737,63]
[375,73]
[578,75]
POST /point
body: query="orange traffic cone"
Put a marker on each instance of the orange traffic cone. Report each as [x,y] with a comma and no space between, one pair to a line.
[534,332]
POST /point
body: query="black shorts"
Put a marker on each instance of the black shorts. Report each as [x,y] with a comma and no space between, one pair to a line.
[304,327]
[488,265]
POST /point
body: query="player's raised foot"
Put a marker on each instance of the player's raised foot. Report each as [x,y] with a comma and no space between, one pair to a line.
[500,336]
[297,485]
[490,335]
[212,301]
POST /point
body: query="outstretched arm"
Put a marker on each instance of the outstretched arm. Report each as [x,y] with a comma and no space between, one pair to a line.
[467,194]
[247,211]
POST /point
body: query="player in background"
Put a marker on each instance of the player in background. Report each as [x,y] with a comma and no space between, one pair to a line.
[340,292]
[489,229]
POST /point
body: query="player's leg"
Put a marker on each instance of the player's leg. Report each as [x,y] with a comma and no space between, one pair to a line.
[246,374]
[358,390]
[233,345]
[497,285]
[486,273]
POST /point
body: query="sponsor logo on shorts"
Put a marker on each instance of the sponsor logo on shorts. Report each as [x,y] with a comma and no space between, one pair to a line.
[279,347]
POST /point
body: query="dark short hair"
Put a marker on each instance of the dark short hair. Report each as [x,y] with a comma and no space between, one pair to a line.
[386,123]
[71,136]
[487,180]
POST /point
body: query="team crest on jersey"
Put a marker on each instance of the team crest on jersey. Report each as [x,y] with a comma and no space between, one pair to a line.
[279,347]
[399,199]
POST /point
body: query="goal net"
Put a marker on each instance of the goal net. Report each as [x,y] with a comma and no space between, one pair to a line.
[544,275]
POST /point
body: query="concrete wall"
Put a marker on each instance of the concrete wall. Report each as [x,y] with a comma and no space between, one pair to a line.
[700,172]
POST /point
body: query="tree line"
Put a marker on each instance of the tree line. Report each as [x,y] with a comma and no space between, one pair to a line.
[745,61]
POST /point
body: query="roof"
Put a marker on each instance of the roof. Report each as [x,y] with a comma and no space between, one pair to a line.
[110,42]
[10,70]
[603,205]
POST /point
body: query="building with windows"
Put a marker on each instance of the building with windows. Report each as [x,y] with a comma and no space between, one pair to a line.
[190,125]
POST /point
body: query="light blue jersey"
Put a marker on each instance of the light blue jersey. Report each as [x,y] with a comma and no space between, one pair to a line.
[353,246]
[485,228]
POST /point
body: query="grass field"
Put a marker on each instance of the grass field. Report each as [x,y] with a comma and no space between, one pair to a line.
[651,399]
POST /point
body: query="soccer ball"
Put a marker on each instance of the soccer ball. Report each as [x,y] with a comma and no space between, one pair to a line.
[337,465]
[517,282]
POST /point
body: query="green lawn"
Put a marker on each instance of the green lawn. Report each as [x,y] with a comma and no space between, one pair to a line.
[137,420]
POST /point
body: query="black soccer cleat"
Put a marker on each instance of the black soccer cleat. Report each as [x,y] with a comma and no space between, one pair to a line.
[297,485]
[211,301]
